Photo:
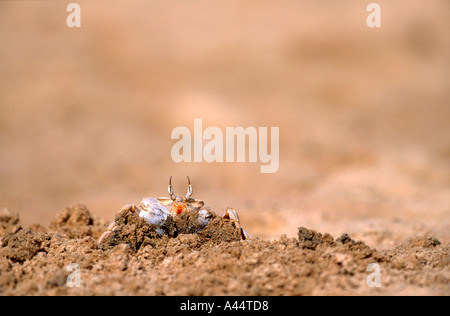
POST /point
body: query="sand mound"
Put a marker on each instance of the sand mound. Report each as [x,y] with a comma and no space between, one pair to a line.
[37,261]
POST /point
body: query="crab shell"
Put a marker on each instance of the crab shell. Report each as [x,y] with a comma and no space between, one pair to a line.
[156,211]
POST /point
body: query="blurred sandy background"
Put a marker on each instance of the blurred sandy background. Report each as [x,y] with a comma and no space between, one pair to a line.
[364,114]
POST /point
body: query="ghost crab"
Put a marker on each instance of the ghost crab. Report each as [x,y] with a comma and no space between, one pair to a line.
[156,212]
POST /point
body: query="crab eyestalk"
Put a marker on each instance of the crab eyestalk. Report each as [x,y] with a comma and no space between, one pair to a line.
[190,190]
[170,189]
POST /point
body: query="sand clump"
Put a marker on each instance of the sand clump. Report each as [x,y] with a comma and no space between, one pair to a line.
[214,261]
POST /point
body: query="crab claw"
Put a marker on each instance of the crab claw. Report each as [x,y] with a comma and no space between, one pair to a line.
[232,215]
[154,214]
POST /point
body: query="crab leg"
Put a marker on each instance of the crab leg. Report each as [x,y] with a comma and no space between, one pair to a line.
[131,208]
[232,215]
[108,231]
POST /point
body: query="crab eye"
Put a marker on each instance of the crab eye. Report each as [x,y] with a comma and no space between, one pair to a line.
[170,189]
[190,190]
